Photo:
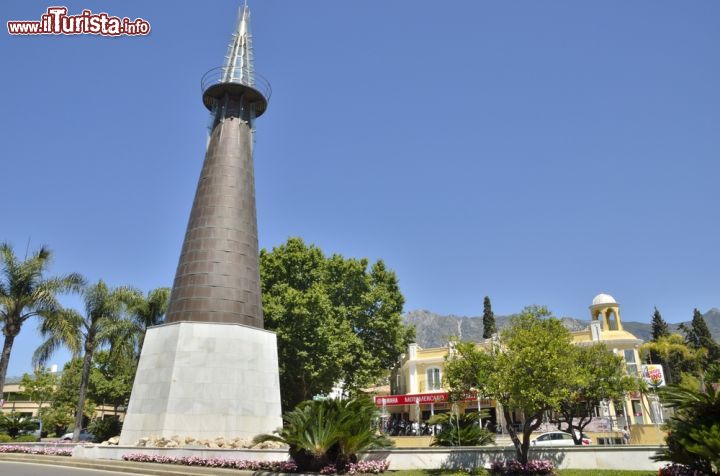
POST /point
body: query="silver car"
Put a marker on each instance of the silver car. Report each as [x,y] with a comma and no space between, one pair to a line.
[84,436]
[558,438]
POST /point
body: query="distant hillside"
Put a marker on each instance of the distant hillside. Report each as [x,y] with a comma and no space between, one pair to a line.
[712,317]
[433,330]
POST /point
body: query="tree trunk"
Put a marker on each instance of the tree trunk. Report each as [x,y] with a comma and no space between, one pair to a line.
[531,424]
[5,360]
[509,425]
[525,448]
[39,417]
[666,364]
[575,430]
[84,380]
[567,419]
[580,428]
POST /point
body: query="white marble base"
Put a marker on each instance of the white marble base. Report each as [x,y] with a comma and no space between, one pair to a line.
[204,380]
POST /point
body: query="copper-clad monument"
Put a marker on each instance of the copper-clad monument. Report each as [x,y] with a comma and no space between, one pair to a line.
[211,370]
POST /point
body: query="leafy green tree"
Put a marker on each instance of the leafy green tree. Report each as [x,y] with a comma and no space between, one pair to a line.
[489,327]
[104,323]
[40,389]
[693,432]
[598,374]
[25,292]
[678,356]
[460,430]
[58,418]
[698,336]
[105,428]
[527,371]
[111,379]
[61,415]
[337,319]
[68,387]
[468,369]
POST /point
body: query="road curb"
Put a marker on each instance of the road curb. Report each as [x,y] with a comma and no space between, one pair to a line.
[130,467]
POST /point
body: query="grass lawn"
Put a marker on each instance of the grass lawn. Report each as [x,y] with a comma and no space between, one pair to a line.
[563,472]
[604,472]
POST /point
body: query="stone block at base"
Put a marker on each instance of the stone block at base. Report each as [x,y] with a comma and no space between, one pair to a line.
[204,380]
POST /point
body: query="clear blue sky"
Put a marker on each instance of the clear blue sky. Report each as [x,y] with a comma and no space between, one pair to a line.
[535,152]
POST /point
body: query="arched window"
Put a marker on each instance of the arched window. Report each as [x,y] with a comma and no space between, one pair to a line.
[432,377]
[612,321]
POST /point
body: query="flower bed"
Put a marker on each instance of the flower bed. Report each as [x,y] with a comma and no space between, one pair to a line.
[513,467]
[37,450]
[361,467]
[275,466]
[678,470]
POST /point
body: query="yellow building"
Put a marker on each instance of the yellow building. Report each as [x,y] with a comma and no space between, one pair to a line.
[417,381]
[13,400]
[606,327]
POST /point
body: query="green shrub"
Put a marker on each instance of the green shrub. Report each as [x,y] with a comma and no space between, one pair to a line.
[328,432]
[14,423]
[5,438]
[462,430]
[26,439]
[106,428]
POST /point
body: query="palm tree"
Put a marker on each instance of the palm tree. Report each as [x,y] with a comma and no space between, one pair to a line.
[461,430]
[149,311]
[311,431]
[26,293]
[105,323]
[693,432]
[357,431]
[14,423]
[328,432]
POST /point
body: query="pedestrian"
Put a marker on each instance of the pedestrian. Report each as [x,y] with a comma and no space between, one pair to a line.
[626,435]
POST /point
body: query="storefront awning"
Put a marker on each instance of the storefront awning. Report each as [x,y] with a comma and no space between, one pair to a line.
[420,398]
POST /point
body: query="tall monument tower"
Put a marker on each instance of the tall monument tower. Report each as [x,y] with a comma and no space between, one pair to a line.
[211,370]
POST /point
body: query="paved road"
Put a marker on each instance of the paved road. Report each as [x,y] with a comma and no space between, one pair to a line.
[8,468]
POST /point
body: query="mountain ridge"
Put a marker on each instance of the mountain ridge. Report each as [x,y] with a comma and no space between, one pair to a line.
[434,330]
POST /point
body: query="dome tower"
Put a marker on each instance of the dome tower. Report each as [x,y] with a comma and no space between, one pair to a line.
[606,309]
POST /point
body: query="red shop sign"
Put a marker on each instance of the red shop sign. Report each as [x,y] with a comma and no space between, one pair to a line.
[440,397]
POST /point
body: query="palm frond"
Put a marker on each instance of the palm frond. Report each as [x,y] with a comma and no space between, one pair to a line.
[45,351]
[64,328]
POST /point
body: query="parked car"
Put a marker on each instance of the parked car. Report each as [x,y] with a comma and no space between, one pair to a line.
[558,438]
[84,436]
[32,431]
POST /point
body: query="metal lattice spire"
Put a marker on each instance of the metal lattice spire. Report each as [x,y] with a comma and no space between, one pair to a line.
[238,66]
[237,77]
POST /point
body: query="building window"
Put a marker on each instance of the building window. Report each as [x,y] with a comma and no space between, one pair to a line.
[630,363]
[433,378]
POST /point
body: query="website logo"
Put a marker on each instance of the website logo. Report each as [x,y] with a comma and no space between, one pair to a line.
[56,21]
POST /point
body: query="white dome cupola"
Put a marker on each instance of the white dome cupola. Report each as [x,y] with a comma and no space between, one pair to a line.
[606,309]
